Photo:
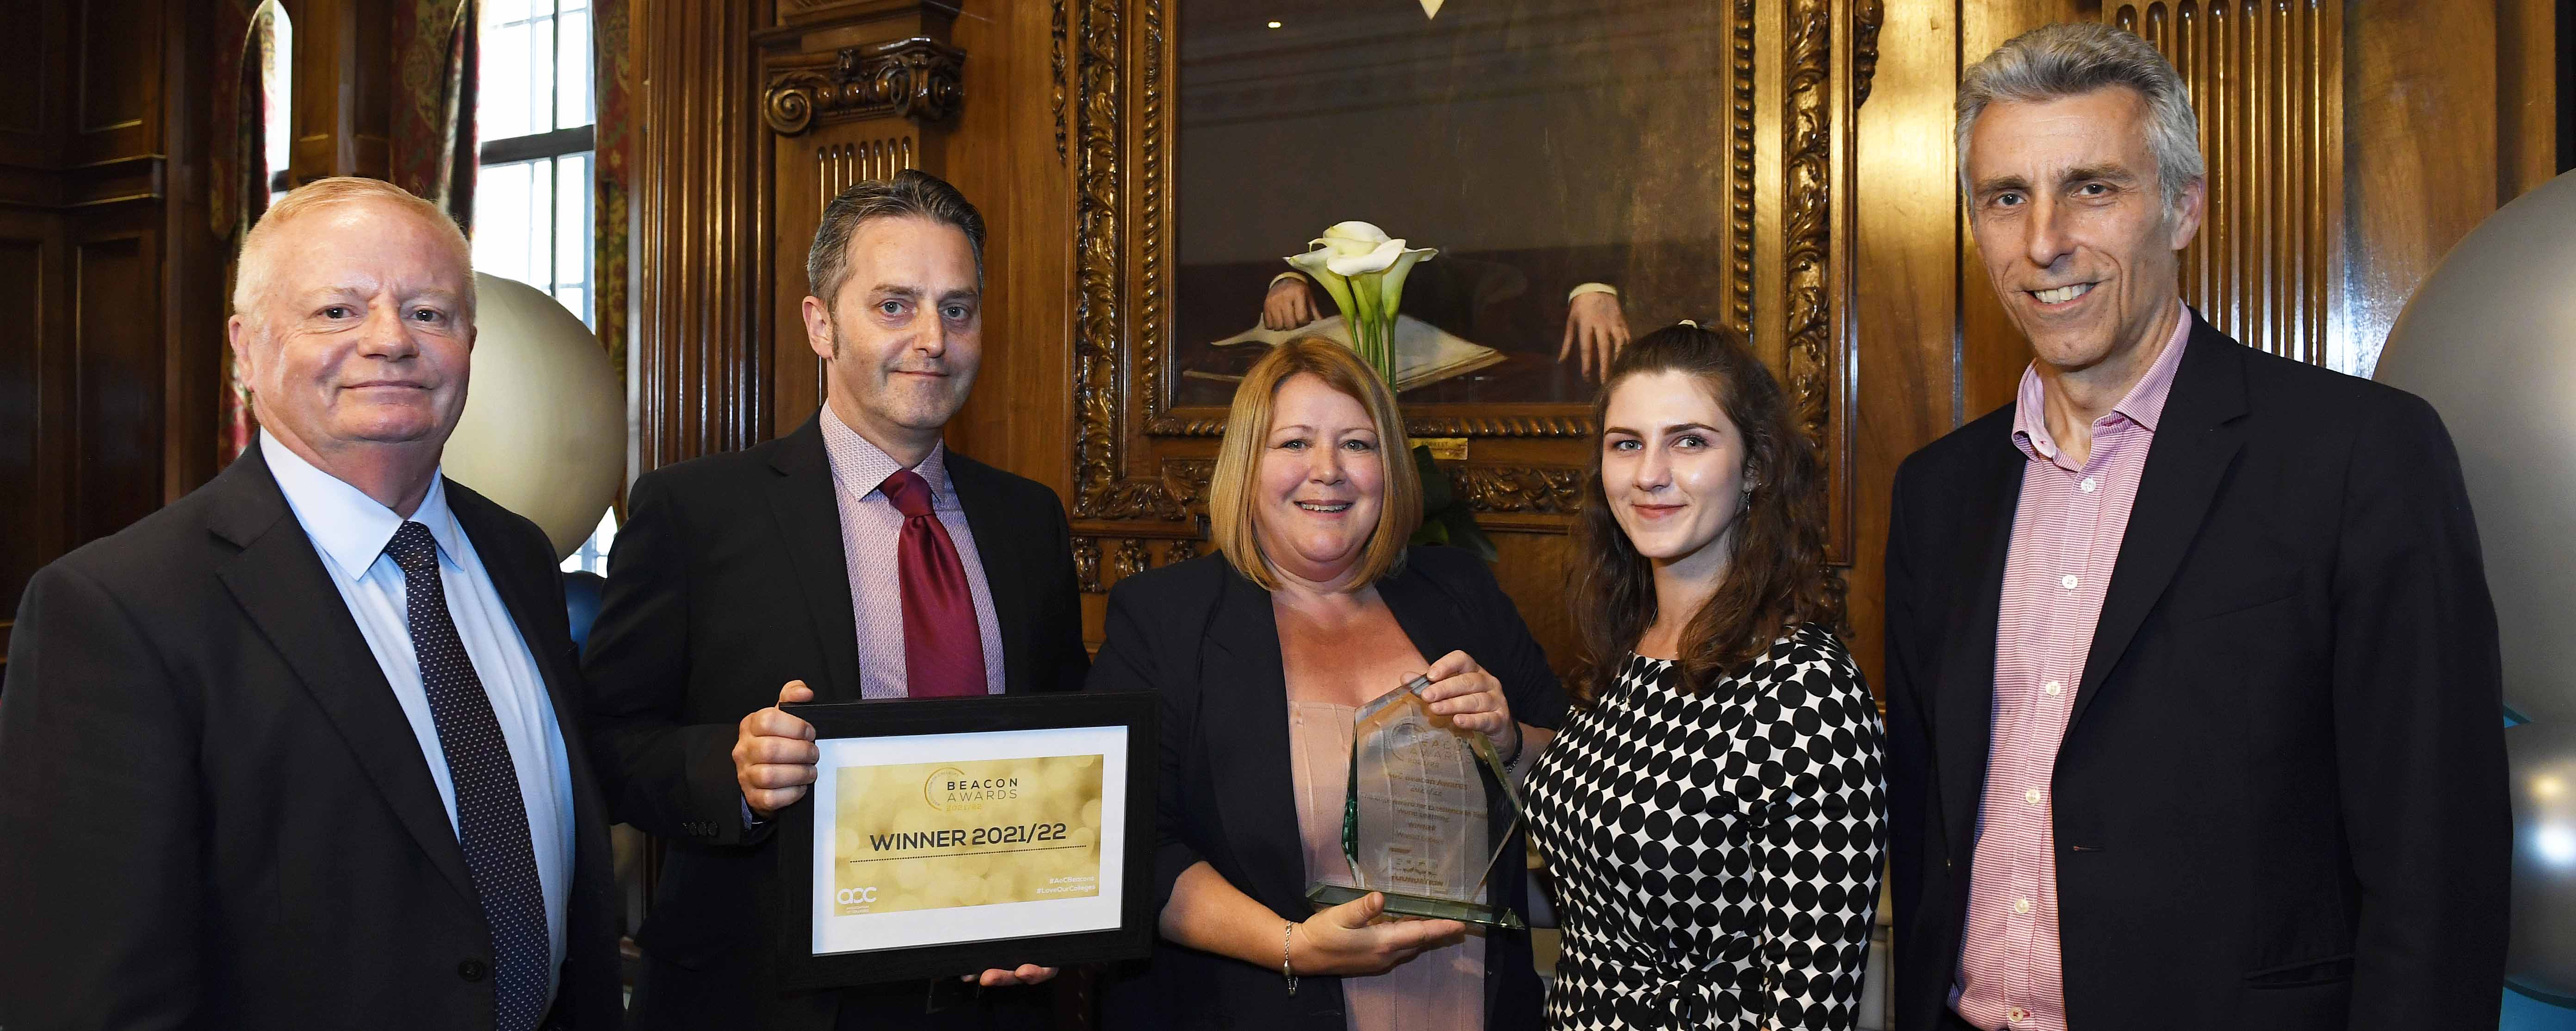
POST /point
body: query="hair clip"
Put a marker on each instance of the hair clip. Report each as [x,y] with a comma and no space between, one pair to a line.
[1688,322]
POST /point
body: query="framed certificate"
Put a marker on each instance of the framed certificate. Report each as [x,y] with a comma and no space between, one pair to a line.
[948,837]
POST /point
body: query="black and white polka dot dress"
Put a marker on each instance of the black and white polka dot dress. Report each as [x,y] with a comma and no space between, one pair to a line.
[1715,857]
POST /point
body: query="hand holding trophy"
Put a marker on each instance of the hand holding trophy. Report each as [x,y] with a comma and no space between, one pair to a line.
[1425,790]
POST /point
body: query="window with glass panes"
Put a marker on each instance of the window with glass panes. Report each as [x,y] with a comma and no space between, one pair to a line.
[535,113]
[533,217]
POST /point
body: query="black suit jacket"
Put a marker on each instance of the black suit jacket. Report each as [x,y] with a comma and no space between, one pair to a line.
[212,810]
[727,581]
[2280,800]
[1205,638]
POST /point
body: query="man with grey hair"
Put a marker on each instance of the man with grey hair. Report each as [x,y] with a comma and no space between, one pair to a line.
[299,749]
[2193,686]
[855,558]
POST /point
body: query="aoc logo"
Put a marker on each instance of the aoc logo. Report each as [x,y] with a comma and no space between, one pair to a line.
[949,790]
[858,896]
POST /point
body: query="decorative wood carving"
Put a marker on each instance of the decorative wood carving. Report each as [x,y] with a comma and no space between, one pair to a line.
[1739,204]
[1536,489]
[1866,18]
[839,165]
[2267,79]
[1055,57]
[1807,142]
[1129,559]
[1181,550]
[917,78]
[1086,565]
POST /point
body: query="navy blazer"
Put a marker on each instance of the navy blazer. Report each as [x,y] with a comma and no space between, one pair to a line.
[1204,638]
[2280,799]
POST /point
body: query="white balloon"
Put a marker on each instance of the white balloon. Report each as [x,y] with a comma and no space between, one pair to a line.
[544,429]
[2490,340]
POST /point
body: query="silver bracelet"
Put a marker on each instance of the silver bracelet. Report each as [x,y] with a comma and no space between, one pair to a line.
[1287,935]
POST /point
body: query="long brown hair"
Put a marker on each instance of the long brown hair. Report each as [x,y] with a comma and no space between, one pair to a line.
[1777,576]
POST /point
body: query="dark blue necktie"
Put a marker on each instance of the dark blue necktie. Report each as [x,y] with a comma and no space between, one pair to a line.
[491,818]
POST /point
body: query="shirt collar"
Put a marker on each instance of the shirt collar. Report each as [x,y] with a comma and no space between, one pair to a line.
[349,527]
[2143,405]
[861,467]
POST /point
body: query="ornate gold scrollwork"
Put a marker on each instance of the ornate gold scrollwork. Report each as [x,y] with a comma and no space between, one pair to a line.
[917,78]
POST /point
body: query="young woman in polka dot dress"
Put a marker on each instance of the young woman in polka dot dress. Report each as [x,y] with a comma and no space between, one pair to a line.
[1711,814]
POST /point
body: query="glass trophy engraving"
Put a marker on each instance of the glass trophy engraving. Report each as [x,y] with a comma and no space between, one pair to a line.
[1416,816]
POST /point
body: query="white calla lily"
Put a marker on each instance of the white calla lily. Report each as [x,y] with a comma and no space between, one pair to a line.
[1364,271]
[1365,232]
[1376,259]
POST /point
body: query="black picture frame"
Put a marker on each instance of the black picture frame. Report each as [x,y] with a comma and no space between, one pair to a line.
[800,968]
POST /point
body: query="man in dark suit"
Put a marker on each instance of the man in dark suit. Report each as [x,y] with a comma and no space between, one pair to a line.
[2192,677]
[856,558]
[298,750]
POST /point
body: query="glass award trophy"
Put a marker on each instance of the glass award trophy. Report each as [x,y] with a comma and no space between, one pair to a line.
[1415,820]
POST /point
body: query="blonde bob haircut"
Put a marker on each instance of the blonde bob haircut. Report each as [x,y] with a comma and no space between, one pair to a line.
[1233,488]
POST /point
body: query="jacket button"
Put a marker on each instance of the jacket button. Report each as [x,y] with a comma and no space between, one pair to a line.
[471,970]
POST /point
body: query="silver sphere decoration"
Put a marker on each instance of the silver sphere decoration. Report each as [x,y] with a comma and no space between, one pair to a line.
[2490,340]
[2543,955]
[544,429]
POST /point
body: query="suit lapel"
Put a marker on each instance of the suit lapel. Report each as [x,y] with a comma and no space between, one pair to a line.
[1963,711]
[1245,687]
[995,550]
[280,582]
[808,510]
[2195,443]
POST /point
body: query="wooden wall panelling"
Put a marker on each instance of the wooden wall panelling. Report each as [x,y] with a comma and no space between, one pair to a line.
[2267,80]
[699,357]
[36,453]
[195,271]
[112,278]
[346,126]
[1908,278]
[1008,152]
[2422,153]
[32,111]
[1992,352]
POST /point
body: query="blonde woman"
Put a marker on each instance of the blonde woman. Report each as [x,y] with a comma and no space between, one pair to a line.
[1262,652]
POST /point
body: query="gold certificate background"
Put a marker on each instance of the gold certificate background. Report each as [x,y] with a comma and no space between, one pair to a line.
[879,800]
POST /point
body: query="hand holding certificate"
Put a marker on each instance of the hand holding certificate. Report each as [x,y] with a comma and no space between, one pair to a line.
[970,832]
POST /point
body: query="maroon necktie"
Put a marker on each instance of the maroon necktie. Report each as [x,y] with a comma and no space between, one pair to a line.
[943,650]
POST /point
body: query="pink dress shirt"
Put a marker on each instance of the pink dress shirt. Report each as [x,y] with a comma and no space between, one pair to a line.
[2065,539]
[870,529]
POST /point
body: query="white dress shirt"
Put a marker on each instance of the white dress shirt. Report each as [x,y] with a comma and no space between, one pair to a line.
[351,530]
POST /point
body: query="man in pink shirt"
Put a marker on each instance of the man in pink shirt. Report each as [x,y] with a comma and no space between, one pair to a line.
[2193,685]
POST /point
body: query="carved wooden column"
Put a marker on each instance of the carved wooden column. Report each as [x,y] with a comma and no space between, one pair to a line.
[698,356]
[2267,80]
[834,117]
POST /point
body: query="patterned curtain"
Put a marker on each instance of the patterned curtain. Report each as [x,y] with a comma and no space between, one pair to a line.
[434,149]
[608,33]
